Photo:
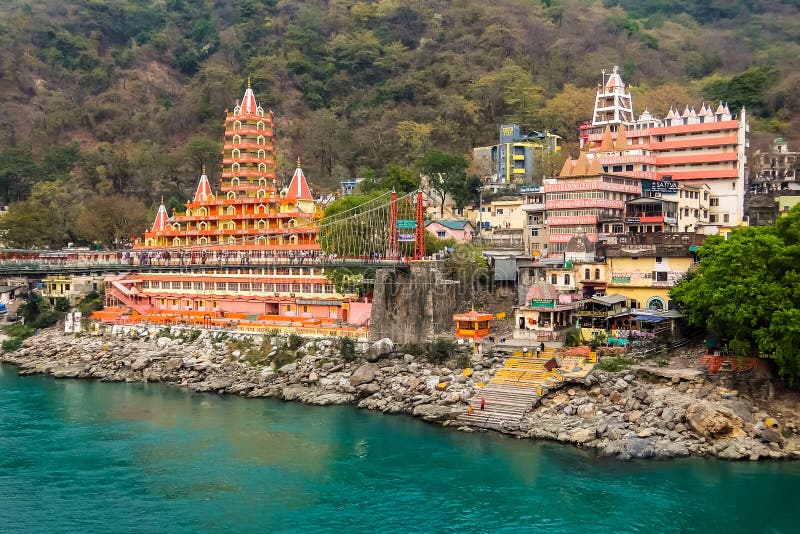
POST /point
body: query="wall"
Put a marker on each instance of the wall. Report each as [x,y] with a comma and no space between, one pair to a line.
[413,307]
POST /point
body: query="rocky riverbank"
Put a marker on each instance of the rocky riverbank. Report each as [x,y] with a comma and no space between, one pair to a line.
[641,413]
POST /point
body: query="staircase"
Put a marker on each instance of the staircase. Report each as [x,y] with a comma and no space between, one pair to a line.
[511,392]
[125,295]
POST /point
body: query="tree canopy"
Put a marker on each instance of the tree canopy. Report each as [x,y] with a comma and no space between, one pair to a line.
[747,289]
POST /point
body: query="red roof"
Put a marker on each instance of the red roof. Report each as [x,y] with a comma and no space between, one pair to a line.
[161,219]
[203,192]
[298,188]
[249,104]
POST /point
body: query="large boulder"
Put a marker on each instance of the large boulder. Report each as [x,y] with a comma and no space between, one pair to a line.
[364,374]
[380,349]
[713,420]
[434,413]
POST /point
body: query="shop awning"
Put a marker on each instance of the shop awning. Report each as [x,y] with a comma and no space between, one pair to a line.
[648,318]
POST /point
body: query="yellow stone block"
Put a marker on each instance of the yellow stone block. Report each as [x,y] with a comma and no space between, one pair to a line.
[466,372]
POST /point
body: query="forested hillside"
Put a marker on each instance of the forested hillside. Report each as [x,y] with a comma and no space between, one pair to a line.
[122,100]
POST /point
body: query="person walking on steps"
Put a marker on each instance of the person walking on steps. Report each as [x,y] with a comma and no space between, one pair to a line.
[541,347]
[483,403]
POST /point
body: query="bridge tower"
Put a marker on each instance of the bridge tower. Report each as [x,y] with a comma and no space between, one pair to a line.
[419,232]
[394,248]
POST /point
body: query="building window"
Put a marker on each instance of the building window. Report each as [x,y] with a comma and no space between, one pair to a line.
[586,273]
[660,276]
[726,218]
[713,202]
[597,274]
[440,235]
[553,279]
[712,219]
[534,232]
[659,259]
[499,211]
[566,279]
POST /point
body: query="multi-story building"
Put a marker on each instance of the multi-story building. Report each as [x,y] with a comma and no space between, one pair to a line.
[266,234]
[705,148]
[777,168]
[535,230]
[70,287]
[517,156]
[643,268]
[586,200]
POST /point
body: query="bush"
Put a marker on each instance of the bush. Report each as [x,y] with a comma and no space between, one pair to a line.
[440,350]
[295,341]
[414,349]
[17,333]
[189,336]
[614,364]
[284,356]
[463,360]
[347,349]
[46,319]
[572,337]
[62,304]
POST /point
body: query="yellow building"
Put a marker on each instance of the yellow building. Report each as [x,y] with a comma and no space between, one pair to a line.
[70,287]
[645,272]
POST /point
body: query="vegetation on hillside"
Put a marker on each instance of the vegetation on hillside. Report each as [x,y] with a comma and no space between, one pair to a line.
[121,101]
[746,289]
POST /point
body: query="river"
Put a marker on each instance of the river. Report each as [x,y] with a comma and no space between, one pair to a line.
[91,456]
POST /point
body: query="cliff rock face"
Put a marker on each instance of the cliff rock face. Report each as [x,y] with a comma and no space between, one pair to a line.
[413,307]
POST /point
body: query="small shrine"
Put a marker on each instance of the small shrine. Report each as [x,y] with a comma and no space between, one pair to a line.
[473,325]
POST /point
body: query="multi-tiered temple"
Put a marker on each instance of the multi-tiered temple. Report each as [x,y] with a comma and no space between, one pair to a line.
[248,213]
[248,250]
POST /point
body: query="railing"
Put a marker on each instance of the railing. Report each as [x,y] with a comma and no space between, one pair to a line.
[45,268]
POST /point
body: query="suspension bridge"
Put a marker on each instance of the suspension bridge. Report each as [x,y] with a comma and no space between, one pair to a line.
[385,231]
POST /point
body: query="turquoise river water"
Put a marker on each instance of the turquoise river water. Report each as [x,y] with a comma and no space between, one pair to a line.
[82,456]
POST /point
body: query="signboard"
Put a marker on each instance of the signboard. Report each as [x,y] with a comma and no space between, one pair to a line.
[531,189]
[620,279]
[630,220]
[543,303]
[406,224]
[667,187]
[405,237]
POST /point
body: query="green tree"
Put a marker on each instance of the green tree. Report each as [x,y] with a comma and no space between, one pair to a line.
[747,89]
[45,220]
[464,189]
[747,289]
[111,219]
[444,172]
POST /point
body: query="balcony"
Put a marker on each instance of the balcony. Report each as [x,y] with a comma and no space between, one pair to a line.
[533,207]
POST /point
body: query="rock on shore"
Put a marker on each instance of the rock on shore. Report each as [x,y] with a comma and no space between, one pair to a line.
[645,413]
[648,413]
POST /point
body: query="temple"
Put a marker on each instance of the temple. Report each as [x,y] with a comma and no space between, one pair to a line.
[248,249]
